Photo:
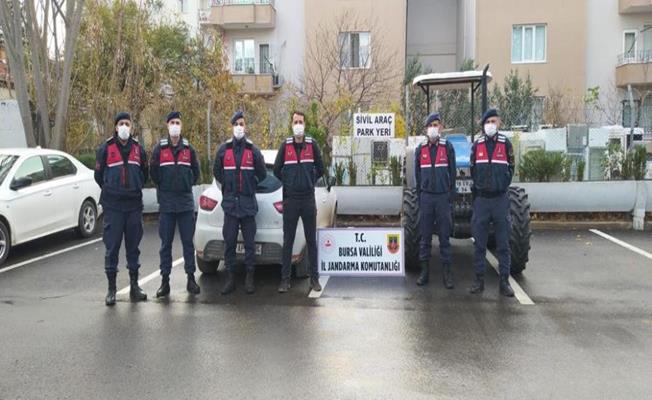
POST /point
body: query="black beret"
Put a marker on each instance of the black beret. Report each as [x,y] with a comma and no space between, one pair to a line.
[492,112]
[236,117]
[173,115]
[433,117]
[120,116]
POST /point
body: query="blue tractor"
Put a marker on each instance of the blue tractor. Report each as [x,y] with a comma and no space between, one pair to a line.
[435,84]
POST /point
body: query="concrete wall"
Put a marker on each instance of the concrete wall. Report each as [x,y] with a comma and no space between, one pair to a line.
[441,32]
[565,38]
[432,33]
[171,11]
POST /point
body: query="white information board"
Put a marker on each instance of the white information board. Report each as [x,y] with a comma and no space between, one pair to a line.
[374,125]
[361,251]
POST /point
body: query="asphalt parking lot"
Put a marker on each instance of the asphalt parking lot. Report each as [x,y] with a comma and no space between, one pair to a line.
[587,334]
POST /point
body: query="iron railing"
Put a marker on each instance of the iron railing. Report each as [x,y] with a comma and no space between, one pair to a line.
[635,57]
[217,3]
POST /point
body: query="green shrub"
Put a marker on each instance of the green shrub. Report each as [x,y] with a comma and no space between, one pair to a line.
[541,166]
[340,170]
[353,173]
[638,161]
[622,164]
[581,165]
[395,166]
[88,159]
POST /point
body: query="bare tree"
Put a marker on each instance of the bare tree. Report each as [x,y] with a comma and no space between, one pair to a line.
[11,23]
[561,107]
[341,85]
[603,105]
[40,55]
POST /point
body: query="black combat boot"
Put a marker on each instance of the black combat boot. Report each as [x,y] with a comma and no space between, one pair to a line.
[284,286]
[135,292]
[315,285]
[110,294]
[447,276]
[505,288]
[229,284]
[478,285]
[192,287]
[249,282]
[424,277]
[164,290]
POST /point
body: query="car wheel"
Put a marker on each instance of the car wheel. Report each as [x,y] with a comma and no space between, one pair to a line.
[302,268]
[5,242]
[87,221]
[207,267]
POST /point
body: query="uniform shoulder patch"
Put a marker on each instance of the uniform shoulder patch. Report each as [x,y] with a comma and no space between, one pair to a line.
[163,142]
[308,139]
[442,141]
[134,139]
[111,139]
[480,140]
[289,140]
[185,142]
[501,138]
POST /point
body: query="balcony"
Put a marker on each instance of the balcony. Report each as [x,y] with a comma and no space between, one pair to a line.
[240,14]
[634,6]
[634,68]
[256,84]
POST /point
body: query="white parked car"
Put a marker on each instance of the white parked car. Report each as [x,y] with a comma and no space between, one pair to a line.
[209,242]
[42,192]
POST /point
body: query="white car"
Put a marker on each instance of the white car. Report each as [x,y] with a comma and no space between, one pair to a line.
[209,242]
[42,192]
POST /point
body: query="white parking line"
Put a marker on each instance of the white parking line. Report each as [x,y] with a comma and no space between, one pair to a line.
[149,277]
[323,280]
[623,244]
[48,255]
[519,293]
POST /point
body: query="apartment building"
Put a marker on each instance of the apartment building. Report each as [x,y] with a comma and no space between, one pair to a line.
[266,41]
[619,55]
[545,39]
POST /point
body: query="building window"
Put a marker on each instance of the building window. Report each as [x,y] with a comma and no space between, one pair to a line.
[627,113]
[355,49]
[265,61]
[244,56]
[629,45]
[528,44]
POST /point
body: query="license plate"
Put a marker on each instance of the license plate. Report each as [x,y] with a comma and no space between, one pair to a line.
[463,186]
[239,249]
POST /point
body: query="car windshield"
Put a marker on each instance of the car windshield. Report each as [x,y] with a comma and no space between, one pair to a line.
[269,184]
[6,162]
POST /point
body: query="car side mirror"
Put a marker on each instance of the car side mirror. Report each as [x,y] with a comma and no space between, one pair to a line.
[20,183]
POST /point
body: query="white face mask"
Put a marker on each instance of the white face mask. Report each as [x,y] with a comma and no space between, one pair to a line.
[238,132]
[490,129]
[298,129]
[174,131]
[123,132]
[432,132]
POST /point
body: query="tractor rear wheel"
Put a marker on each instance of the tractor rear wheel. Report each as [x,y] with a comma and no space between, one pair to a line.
[410,222]
[519,237]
